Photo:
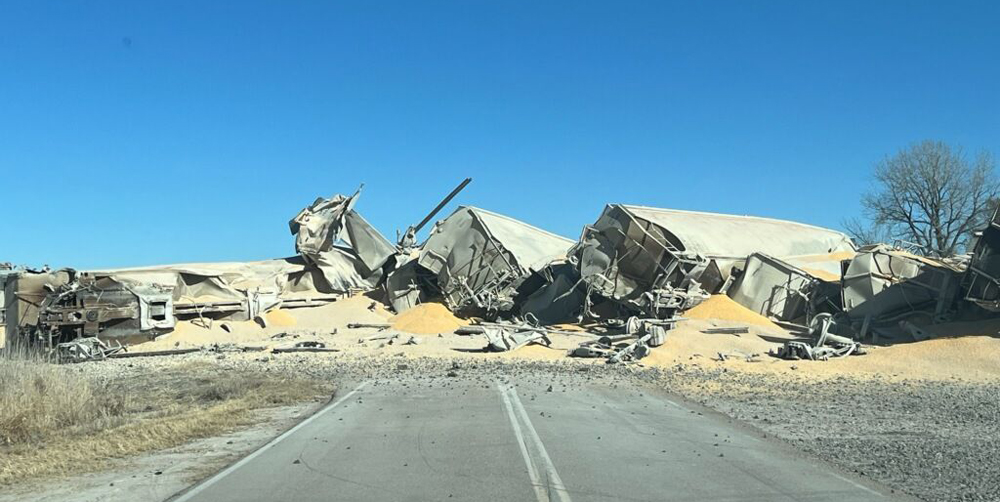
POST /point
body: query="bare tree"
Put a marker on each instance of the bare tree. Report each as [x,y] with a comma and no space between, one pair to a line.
[931,195]
[864,232]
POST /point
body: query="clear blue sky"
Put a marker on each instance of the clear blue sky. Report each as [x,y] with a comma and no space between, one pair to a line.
[133,133]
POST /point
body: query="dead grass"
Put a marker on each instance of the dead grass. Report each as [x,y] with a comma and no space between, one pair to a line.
[54,420]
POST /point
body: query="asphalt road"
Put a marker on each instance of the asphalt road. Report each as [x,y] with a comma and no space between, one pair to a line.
[456,439]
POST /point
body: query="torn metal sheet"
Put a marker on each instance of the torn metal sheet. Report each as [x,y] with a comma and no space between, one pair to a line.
[332,236]
[238,290]
[637,341]
[480,258]
[25,294]
[659,261]
[407,285]
[552,295]
[502,339]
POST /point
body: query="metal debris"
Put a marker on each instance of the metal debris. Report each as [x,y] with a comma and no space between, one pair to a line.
[378,325]
[826,345]
[85,349]
[726,331]
[307,346]
[503,339]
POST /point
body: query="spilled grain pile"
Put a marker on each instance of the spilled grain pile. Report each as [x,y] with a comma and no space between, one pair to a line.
[280,318]
[427,319]
[723,308]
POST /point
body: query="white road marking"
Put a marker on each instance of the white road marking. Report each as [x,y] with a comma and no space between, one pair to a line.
[675,404]
[856,484]
[214,479]
[550,468]
[540,492]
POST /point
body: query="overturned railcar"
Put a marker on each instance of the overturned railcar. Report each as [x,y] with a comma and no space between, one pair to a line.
[477,261]
[339,253]
[655,262]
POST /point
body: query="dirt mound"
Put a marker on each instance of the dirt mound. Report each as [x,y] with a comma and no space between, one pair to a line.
[428,319]
[723,308]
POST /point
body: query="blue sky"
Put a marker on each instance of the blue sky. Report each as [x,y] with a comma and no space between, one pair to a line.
[139,133]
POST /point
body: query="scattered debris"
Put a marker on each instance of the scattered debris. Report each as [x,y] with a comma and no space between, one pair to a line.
[726,331]
[374,338]
[359,325]
[85,349]
[310,346]
[502,339]
[153,353]
[826,345]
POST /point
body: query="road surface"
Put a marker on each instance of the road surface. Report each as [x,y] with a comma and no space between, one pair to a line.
[456,439]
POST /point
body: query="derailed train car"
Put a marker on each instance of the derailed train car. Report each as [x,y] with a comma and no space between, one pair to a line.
[634,263]
[477,261]
[655,262]
[339,253]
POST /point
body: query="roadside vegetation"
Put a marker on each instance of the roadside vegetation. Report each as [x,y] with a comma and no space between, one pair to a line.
[58,419]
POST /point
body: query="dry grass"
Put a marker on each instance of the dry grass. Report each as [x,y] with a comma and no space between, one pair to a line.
[54,420]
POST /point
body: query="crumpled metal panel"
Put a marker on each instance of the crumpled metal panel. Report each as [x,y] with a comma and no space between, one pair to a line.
[329,233]
[405,286]
[888,284]
[780,290]
[25,293]
[982,285]
[552,295]
[656,260]
[480,258]
[632,263]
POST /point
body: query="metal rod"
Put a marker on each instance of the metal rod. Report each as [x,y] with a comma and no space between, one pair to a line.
[442,204]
